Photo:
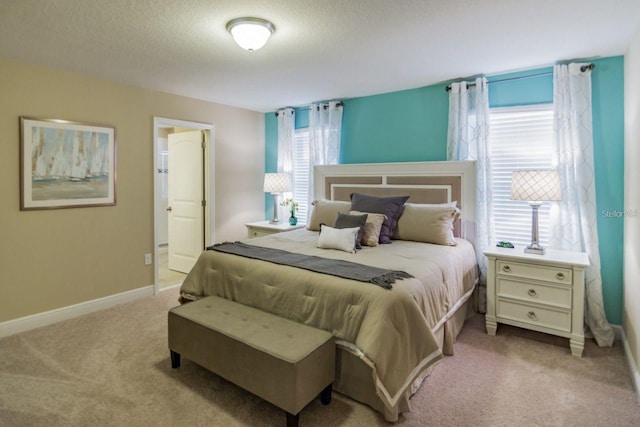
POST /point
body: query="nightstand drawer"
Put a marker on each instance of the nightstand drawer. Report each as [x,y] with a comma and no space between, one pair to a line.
[532,271]
[253,233]
[265,228]
[546,318]
[558,296]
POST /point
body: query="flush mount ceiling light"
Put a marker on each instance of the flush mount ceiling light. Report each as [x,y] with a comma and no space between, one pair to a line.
[250,33]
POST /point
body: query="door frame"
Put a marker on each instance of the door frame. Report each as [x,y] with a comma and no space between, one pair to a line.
[208,178]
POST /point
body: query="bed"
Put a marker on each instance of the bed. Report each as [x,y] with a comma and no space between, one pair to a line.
[387,339]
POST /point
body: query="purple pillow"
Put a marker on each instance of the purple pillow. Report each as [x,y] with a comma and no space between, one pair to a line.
[391,207]
[351,221]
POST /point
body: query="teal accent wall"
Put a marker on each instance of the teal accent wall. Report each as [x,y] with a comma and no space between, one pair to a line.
[404,126]
[522,88]
[411,125]
[271,142]
[607,82]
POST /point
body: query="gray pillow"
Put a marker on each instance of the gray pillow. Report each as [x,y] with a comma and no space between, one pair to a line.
[351,221]
[391,207]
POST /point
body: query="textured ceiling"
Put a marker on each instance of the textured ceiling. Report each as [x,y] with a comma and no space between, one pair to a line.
[321,50]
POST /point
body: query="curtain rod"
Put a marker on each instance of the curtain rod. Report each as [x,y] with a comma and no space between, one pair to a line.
[339,104]
[582,68]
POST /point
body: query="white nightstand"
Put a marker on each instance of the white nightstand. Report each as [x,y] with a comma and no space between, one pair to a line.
[263,228]
[544,293]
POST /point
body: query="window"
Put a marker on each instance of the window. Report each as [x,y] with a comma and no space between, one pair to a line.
[521,138]
[301,173]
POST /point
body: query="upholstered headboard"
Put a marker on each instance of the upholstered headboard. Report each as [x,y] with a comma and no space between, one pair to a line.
[424,182]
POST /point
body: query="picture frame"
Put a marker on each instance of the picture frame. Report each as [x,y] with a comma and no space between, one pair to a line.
[66,164]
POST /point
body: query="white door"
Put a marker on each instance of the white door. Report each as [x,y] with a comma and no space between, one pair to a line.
[186,195]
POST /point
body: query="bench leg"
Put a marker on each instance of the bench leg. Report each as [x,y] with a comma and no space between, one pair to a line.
[292,420]
[175,359]
[325,395]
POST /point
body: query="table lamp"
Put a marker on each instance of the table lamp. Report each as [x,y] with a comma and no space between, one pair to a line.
[535,186]
[276,183]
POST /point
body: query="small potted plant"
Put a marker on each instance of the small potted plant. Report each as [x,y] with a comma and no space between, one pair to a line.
[293,208]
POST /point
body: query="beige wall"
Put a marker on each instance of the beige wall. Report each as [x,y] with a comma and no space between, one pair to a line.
[56,258]
[631,310]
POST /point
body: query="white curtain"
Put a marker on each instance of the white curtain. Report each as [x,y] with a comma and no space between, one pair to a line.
[286,134]
[574,220]
[468,139]
[325,131]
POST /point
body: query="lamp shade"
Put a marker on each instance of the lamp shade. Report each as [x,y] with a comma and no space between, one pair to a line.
[536,185]
[277,182]
[250,33]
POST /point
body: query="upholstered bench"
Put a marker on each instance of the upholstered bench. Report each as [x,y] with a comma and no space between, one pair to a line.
[285,363]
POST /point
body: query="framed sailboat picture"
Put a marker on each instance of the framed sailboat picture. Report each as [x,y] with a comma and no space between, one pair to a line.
[66,164]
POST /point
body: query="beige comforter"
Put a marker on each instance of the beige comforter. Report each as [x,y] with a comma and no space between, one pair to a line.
[390,329]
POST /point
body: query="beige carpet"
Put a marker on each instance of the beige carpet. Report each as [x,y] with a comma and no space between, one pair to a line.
[112,368]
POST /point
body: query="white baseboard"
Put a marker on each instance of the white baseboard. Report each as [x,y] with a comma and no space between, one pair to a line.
[38,320]
[635,375]
[170,287]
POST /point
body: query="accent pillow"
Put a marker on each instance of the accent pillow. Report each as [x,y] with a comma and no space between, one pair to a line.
[350,221]
[372,228]
[428,223]
[333,238]
[416,209]
[391,207]
[325,212]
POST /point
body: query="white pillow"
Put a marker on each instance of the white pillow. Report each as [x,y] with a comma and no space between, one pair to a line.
[343,239]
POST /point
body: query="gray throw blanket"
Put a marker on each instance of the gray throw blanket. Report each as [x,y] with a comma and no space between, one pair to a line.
[334,267]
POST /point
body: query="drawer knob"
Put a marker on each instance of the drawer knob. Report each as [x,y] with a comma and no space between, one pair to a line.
[532,293]
[506,269]
[560,276]
[532,315]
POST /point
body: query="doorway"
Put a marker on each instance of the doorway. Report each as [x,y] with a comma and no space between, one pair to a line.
[202,232]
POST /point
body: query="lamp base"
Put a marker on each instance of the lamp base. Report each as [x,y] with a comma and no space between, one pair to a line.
[275,219]
[535,249]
